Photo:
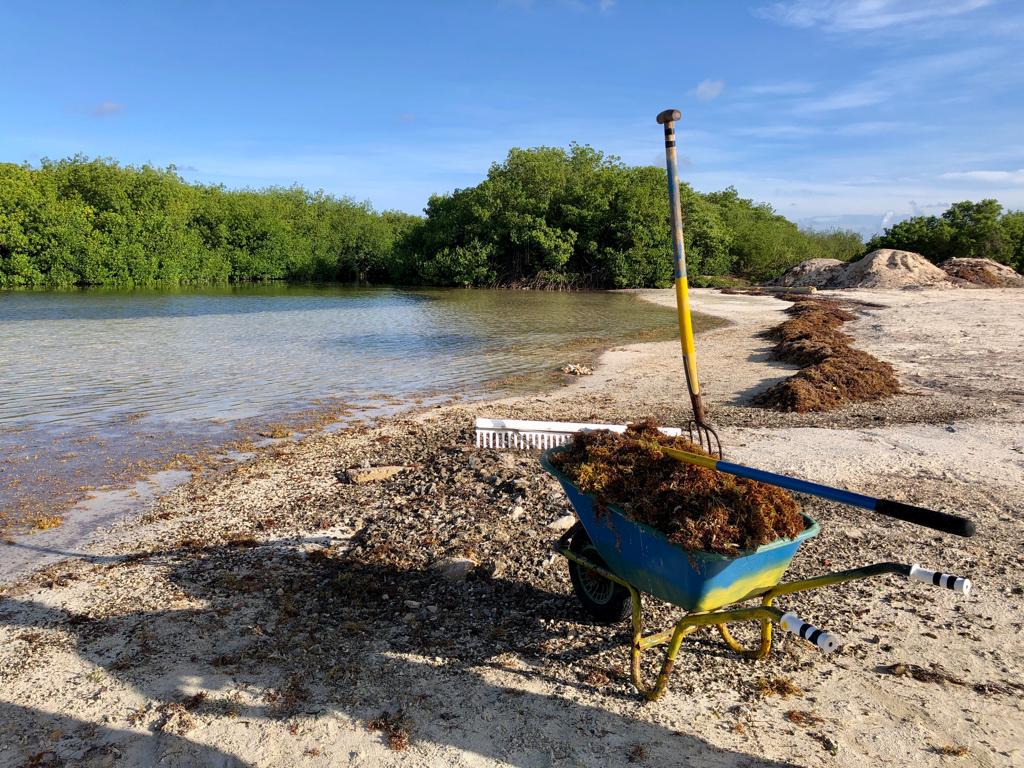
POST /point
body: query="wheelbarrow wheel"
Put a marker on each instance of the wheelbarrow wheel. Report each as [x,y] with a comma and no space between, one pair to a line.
[602,598]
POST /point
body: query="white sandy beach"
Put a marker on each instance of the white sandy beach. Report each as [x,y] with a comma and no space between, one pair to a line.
[265,615]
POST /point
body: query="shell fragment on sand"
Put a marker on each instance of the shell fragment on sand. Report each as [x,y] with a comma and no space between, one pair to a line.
[363,475]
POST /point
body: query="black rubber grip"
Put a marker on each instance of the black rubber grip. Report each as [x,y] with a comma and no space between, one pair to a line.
[929,518]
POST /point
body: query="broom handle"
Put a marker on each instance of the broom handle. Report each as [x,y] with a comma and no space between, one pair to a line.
[668,118]
[929,518]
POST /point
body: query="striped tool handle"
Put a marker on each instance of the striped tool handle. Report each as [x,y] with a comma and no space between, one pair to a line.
[939,579]
[809,632]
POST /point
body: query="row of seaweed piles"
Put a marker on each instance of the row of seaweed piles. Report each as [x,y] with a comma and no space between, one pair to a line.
[834,374]
[698,509]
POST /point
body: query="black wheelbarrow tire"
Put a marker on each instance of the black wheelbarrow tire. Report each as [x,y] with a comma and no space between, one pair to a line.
[605,600]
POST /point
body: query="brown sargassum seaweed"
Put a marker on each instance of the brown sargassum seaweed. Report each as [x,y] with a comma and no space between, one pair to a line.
[699,509]
[833,374]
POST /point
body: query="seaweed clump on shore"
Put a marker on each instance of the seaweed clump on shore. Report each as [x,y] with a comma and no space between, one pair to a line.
[698,509]
[833,373]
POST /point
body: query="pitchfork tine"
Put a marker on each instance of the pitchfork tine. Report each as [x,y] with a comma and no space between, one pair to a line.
[706,437]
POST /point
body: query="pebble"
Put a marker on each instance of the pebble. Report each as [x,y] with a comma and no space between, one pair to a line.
[577,370]
[456,568]
[564,523]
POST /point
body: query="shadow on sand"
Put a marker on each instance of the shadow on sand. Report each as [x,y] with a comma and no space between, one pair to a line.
[274,633]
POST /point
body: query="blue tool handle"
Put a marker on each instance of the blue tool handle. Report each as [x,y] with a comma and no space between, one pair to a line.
[929,518]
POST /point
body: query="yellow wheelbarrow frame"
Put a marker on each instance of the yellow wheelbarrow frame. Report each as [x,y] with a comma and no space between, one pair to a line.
[765,613]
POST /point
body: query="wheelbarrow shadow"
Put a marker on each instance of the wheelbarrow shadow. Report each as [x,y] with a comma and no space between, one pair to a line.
[318,635]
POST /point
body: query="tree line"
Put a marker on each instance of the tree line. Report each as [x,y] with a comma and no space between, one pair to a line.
[95,222]
[965,229]
[554,217]
[545,217]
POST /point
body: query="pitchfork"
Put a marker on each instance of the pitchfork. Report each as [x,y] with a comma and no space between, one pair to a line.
[701,432]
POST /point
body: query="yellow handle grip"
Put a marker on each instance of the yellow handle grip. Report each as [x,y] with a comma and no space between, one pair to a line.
[686,334]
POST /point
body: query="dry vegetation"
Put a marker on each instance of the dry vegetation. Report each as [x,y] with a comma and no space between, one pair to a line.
[776,686]
[834,374]
[699,509]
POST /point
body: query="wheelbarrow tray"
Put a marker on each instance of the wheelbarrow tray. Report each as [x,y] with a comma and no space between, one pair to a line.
[696,581]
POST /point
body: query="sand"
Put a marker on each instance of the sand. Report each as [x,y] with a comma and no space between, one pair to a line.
[888,268]
[305,608]
[982,273]
[815,273]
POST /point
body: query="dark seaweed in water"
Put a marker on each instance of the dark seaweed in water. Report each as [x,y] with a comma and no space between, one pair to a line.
[699,509]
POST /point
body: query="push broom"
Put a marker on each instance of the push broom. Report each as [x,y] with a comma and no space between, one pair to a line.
[520,434]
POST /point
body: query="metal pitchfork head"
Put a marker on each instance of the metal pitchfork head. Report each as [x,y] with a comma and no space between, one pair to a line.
[701,433]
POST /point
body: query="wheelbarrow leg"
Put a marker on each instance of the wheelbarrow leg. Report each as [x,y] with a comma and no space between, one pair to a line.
[641,643]
[765,614]
[750,653]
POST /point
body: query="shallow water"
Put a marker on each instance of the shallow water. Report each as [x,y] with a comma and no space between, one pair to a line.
[88,357]
[92,382]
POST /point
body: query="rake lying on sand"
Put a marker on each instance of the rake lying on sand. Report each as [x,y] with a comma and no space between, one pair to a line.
[533,435]
[519,433]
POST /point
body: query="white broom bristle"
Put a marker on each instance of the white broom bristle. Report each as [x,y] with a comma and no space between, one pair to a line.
[521,434]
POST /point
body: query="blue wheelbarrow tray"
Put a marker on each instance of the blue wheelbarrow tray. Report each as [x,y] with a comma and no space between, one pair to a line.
[695,581]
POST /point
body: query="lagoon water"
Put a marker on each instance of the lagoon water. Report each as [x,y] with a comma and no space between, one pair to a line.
[91,379]
[87,357]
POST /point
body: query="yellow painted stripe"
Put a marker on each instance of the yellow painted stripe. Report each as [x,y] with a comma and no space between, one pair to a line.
[741,588]
[686,333]
[691,458]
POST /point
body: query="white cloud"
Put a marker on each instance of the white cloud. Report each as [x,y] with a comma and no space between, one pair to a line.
[895,81]
[864,15]
[605,5]
[107,108]
[861,95]
[784,88]
[876,127]
[709,89]
[782,131]
[926,209]
[987,177]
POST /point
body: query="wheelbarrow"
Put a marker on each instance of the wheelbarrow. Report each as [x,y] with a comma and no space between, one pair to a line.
[613,560]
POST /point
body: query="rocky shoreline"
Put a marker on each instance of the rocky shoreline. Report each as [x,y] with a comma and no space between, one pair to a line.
[278,612]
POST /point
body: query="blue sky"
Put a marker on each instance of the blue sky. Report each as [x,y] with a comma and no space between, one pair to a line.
[837,112]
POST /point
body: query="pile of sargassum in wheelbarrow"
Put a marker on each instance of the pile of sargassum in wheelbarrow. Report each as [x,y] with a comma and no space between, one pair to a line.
[658,515]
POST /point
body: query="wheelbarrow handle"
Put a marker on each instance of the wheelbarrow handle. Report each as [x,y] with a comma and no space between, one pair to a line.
[819,637]
[929,518]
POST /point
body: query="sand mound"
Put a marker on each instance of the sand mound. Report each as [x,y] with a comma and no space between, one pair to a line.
[889,268]
[813,272]
[884,268]
[983,273]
